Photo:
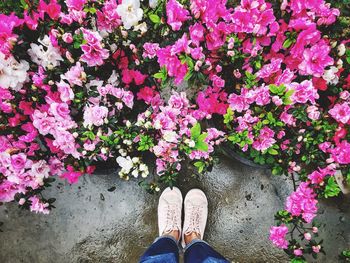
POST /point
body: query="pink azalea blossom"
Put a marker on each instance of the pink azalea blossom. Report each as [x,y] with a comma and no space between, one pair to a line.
[341,112]
[341,153]
[278,236]
[66,93]
[315,60]
[108,18]
[75,75]
[303,92]
[150,50]
[95,115]
[94,53]
[176,14]
[265,139]
[38,206]
[302,202]
[71,175]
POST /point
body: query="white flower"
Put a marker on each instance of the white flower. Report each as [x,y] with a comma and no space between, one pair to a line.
[46,54]
[170,136]
[153,3]
[135,173]
[341,50]
[125,163]
[141,27]
[12,73]
[143,167]
[330,76]
[130,12]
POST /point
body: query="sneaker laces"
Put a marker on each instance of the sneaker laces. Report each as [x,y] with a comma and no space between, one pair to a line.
[172,218]
[195,216]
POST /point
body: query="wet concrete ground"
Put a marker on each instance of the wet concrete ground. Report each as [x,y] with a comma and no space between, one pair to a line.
[91,224]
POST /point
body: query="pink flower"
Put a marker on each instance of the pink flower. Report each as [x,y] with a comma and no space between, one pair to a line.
[303,92]
[75,4]
[60,111]
[313,113]
[253,17]
[95,115]
[7,37]
[217,81]
[315,60]
[38,206]
[341,153]
[18,161]
[307,236]
[67,37]
[108,18]
[150,50]
[265,139]
[66,93]
[147,94]
[316,249]
[53,9]
[94,53]
[267,70]
[298,252]
[176,14]
[278,236]
[43,123]
[238,102]
[65,141]
[302,202]
[178,101]
[197,33]
[341,112]
[262,96]
[71,175]
[173,65]
[75,75]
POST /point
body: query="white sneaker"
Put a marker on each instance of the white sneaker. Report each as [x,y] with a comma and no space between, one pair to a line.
[169,211]
[196,214]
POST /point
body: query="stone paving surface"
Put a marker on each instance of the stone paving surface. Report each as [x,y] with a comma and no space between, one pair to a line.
[91,224]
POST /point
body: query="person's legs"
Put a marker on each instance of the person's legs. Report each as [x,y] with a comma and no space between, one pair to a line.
[199,251]
[196,213]
[165,248]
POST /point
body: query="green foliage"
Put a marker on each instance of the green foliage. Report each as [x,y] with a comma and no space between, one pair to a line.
[199,138]
[331,189]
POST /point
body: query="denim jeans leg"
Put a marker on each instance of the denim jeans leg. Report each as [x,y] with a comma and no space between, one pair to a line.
[199,251]
[164,250]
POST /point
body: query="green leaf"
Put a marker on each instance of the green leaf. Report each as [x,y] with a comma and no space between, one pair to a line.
[202,146]
[331,189]
[196,131]
[202,137]
[155,18]
[288,42]
[272,151]
[158,75]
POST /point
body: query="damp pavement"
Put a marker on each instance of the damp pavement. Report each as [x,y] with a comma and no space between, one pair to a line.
[91,224]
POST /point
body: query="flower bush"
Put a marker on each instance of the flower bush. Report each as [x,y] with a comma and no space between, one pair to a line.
[167,81]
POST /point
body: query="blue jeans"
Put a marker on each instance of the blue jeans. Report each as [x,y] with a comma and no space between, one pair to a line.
[166,250]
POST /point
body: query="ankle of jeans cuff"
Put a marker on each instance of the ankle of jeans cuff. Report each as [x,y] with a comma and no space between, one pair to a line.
[194,241]
[168,237]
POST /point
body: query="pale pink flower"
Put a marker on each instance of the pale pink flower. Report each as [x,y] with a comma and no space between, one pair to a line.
[303,92]
[66,93]
[265,139]
[74,75]
[95,115]
[43,123]
[313,113]
[94,53]
[38,206]
[150,50]
[341,112]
